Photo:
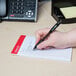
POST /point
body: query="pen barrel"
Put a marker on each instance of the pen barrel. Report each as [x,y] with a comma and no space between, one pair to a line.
[52,29]
[55,26]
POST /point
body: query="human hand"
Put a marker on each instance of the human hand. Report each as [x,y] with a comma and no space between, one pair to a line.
[56,39]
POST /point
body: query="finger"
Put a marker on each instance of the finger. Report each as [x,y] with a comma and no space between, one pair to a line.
[40,34]
[37,37]
[42,31]
[44,44]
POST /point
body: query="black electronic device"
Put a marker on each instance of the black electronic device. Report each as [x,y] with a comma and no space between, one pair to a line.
[18,10]
[64,10]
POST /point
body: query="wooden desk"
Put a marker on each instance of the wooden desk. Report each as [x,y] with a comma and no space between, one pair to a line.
[23,66]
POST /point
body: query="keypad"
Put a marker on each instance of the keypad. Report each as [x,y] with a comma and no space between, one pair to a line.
[22,8]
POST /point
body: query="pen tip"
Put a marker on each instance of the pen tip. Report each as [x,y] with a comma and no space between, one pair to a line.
[34,47]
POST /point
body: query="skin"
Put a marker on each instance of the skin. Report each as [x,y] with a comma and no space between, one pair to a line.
[57,39]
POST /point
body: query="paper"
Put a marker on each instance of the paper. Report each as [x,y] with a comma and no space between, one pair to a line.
[25,45]
[69,12]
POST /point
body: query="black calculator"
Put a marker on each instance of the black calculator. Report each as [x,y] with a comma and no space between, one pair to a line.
[21,10]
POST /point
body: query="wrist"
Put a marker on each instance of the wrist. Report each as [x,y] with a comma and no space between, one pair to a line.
[70,39]
[66,40]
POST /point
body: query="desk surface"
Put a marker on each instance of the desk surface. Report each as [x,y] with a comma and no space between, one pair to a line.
[22,66]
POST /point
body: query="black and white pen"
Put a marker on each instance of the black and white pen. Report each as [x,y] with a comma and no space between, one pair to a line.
[51,30]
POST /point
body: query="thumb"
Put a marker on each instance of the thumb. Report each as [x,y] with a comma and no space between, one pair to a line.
[44,44]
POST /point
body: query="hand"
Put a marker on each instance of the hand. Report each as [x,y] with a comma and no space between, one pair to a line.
[56,39]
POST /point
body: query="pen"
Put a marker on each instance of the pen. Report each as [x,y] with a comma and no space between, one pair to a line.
[51,30]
